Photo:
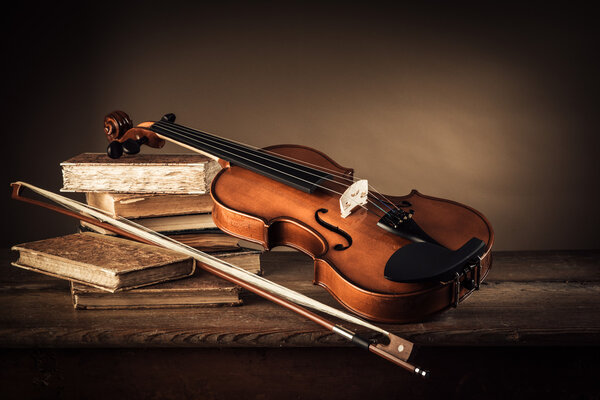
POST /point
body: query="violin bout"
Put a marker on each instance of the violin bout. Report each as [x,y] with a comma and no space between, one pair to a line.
[253,207]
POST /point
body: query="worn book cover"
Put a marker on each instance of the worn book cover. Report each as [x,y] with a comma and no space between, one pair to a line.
[210,240]
[248,259]
[200,290]
[143,205]
[105,262]
[140,173]
[213,240]
[176,224]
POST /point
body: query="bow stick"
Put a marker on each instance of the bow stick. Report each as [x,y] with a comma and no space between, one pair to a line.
[397,350]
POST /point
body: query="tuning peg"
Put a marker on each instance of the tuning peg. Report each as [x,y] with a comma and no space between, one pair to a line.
[114,149]
[170,117]
[132,146]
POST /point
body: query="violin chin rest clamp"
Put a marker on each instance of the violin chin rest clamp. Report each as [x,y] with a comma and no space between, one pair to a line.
[419,262]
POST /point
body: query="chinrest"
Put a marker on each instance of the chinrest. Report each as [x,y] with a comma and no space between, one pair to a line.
[422,261]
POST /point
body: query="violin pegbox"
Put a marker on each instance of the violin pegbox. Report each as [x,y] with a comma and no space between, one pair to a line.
[355,196]
[124,138]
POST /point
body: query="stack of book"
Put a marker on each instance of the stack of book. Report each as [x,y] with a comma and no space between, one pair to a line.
[166,193]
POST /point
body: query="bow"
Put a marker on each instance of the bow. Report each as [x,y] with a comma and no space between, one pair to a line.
[397,350]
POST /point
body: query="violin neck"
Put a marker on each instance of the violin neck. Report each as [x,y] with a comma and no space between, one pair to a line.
[262,162]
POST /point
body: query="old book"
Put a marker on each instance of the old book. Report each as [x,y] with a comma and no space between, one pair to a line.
[248,259]
[141,173]
[200,290]
[143,205]
[173,224]
[105,262]
[209,241]
[206,240]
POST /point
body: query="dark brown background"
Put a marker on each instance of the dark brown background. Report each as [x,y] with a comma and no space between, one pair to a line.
[492,106]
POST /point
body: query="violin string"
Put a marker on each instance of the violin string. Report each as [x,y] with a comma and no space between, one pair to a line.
[333,172]
[194,139]
[385,202]
[176,129]
[180,129]
[372,188]
[385,215]
[244,148]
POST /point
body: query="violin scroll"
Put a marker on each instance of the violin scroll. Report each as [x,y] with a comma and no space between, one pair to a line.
[124,138]
[116,124]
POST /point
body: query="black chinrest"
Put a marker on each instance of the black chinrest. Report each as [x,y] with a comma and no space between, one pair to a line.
[418,262]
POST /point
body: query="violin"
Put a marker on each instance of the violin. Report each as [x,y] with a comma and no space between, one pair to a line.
[385,258]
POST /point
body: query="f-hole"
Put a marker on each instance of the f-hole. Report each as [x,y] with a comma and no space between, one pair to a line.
[339,246]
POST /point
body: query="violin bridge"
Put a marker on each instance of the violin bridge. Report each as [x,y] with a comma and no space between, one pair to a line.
[355,196]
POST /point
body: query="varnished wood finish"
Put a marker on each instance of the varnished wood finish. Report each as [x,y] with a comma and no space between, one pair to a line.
[259,209]
[140,132]
[528,299]
[118,126]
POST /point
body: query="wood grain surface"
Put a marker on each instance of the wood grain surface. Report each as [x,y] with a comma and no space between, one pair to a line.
[530,298]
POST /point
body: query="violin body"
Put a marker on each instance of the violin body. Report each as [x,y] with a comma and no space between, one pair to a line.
[394,259]
[259,209]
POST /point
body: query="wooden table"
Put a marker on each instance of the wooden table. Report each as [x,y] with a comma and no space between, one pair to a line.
[534,327]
